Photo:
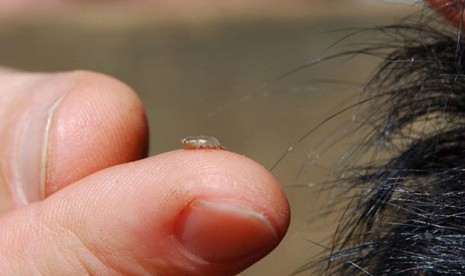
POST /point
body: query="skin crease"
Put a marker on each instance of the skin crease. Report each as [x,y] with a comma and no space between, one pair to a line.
[138,217]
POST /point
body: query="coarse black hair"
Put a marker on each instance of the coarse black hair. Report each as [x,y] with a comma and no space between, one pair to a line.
[406,212]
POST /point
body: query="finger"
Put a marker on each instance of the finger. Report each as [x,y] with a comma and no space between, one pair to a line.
[199,212]
[58,128]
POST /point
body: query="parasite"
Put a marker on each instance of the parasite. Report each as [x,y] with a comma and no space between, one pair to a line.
[201,142]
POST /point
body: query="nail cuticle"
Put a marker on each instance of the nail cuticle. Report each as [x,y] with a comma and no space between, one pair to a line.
[45,148]
[28,168]
[221,232]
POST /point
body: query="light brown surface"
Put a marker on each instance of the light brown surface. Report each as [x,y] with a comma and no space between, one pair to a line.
[203,71]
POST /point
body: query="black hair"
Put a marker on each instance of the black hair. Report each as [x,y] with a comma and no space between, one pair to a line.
[407,212]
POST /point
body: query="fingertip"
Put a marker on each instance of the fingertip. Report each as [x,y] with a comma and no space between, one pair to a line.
[225,210]
[220,174]
[99,123]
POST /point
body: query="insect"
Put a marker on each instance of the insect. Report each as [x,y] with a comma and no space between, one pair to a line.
[201,142]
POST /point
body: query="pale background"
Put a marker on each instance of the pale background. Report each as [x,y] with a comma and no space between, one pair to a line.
[199,68]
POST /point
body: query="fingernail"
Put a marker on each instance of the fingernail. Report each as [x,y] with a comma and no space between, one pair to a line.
[219,232]
[31,139]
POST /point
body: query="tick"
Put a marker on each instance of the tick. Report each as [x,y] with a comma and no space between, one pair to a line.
[201,142]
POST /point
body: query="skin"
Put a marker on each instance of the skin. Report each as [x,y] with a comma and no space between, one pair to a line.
[452,10]
[107,210]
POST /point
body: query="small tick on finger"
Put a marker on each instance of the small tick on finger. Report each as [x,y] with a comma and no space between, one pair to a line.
[201,142]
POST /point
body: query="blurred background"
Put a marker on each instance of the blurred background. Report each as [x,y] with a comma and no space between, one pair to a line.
[214,68]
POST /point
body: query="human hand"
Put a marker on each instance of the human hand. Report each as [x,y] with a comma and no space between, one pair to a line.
[68,141]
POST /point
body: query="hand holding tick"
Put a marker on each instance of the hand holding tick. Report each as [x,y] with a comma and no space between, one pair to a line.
[73,201]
